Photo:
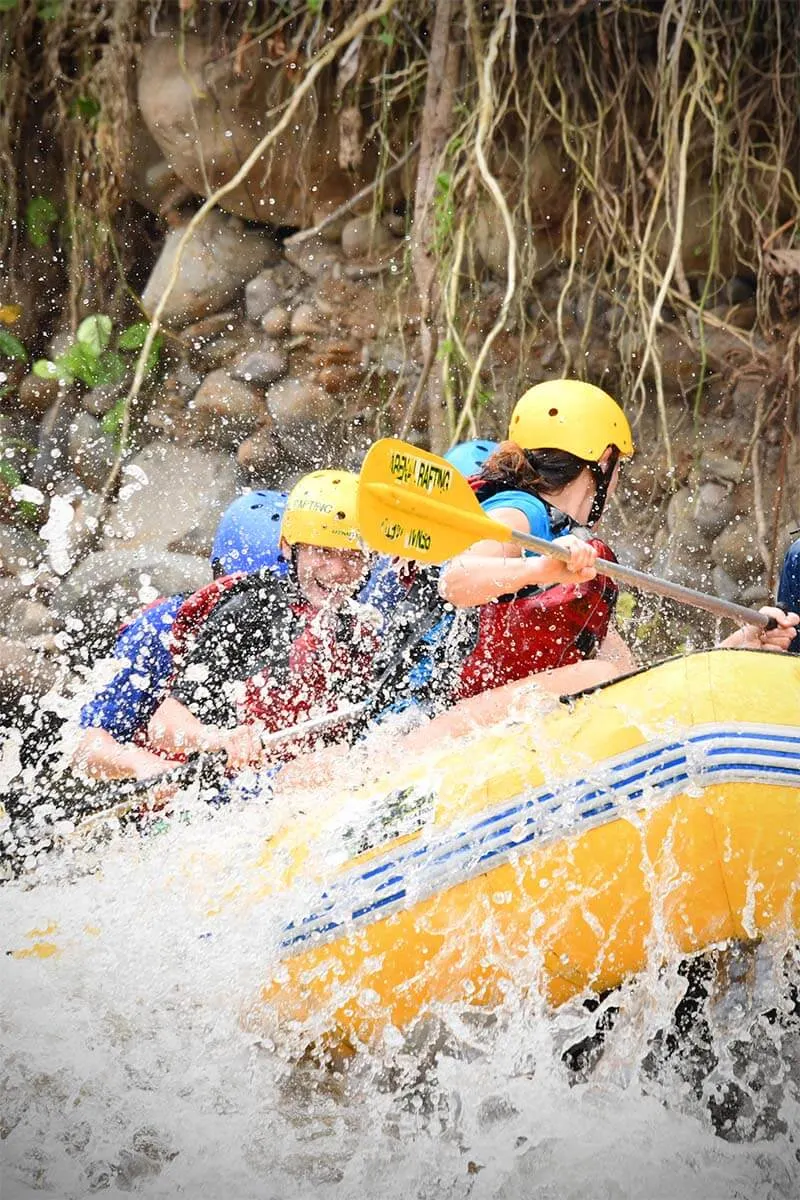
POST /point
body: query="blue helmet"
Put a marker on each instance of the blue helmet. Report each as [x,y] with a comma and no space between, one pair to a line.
[469,457]
[249,533]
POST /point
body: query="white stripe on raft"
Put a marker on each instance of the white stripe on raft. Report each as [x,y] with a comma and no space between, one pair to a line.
[646,776]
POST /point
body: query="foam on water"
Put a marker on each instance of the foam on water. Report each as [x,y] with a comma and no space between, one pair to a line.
[127,1066]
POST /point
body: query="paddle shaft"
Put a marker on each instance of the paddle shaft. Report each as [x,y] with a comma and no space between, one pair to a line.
[651,583]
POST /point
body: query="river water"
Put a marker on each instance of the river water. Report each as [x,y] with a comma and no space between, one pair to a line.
[131,1063]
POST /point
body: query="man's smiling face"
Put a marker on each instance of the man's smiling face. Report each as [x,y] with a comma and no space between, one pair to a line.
[326,577]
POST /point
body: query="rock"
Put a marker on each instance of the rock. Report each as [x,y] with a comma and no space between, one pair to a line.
[223,350]
[277,321]
[756,595]
[261,367]
[363,237]
[219,258]
[263,293]
[28,618]
[213,326]
[166,492]
[148,178]
[20,550]
[208,109]
[91,451]
[24,673]
[51,464]
[225,409]
[301,413]
[723,586]
[260,456]
[713,508]
[101,399]
[736,551]
[397,224]
[314,257]
[11,589]
[720,467]
[306,319]
[678,508]
[491,243]
[36,395]
[338,377]
[110,584]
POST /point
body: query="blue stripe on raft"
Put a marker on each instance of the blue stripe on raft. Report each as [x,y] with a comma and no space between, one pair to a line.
[473,845]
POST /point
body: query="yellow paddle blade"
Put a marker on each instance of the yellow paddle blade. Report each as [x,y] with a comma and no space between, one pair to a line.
[413,504]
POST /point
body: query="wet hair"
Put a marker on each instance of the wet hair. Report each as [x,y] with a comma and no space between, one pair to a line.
[542,472]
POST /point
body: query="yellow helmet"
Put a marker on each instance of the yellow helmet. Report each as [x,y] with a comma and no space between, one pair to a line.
[567,414]
[321,511]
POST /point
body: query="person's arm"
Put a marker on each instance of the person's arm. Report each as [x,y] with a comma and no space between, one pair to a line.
[175,729]
[753,637]
[100,756]
[615,650]
[490,569]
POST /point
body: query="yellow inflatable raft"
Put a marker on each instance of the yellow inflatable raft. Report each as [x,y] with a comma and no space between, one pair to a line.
[560,853]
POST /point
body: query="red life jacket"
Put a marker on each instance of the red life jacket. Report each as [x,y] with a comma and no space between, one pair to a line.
[538,630]
[326,667]
[312,665]
[195,610]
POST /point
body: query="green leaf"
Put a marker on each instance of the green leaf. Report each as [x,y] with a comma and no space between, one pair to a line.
[11,346]
[80,362]
[95,333]
[112,421]
[40,217]
[48,10]
[86,107]
[154,354]
[109,368]
[46,369]
[7,5]
[9,473]
[134,336]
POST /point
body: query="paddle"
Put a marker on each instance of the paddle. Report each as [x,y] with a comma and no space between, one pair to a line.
[413,504]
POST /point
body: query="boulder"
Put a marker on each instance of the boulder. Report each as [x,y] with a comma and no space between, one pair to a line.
[302,413]
[20,550]
[277,322]
[91,452]
[208,108]
[110,584]
[714,508]
[263,293]
[363,237]
[307,320]
[148,178]
[225,410]
[219,258]
[36,395]
[28,618]
[314,257]
[24,673]
[736,551]
[261,367]
[260,457]
[166,492]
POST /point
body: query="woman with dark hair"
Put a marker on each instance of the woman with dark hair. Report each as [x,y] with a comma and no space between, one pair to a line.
[552,477]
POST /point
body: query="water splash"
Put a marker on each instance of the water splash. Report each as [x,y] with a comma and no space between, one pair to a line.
[128,1067]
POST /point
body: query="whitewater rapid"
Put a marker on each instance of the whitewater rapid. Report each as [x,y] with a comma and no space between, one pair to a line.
[132,1062]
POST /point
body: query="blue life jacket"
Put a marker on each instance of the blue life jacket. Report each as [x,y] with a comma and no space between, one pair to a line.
[125,705]
[789,588]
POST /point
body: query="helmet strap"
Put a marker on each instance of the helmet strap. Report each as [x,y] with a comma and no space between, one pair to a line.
[602,480]
[292,572]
